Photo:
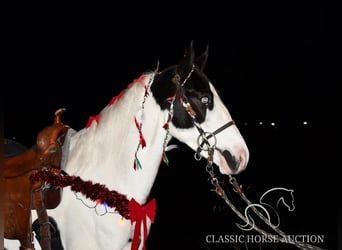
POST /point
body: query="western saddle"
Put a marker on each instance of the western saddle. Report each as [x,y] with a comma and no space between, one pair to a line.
[21,195]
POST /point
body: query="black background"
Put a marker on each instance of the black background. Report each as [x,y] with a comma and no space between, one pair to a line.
[271,62]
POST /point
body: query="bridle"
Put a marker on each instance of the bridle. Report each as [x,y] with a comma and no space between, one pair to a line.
[204,144]
[203,139]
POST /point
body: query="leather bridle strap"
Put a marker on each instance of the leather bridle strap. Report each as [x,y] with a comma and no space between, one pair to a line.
[206,136]
[228,124]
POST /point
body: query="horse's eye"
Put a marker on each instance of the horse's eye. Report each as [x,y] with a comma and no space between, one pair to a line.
[205,100]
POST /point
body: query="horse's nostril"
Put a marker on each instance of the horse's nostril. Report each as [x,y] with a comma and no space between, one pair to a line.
[233,163]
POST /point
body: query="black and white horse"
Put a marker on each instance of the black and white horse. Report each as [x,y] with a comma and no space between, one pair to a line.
[123,146]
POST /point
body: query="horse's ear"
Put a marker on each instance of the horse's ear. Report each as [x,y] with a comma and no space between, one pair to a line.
[201,61]
[187,62]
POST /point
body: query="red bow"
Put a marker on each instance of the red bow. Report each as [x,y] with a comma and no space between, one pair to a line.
[138,214]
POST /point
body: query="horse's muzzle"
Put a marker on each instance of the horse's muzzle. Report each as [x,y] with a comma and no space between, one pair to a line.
[233,163]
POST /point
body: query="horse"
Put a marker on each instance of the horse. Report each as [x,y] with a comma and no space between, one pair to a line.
[122,147]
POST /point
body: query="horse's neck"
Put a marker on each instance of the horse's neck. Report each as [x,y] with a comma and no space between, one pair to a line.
[105,152]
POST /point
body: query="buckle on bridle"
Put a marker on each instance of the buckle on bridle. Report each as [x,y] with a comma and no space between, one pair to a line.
[203,139]
[204,143]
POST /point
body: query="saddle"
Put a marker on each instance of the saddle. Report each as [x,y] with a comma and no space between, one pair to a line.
[21,196]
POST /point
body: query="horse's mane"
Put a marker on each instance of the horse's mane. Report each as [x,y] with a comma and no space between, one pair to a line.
[129,100]
[116,99]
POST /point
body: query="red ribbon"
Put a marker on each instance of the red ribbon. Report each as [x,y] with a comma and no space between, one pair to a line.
[142,139]
[166,125]
[91,119]
[138,214]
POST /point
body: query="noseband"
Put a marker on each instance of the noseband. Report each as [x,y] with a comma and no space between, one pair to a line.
[203,139]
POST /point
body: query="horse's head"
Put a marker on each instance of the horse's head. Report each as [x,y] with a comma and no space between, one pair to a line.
[199,117]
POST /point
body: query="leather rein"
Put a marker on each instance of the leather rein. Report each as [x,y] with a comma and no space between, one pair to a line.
[204,144]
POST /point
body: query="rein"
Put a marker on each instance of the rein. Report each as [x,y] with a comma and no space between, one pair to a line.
[205,145]
[238,188]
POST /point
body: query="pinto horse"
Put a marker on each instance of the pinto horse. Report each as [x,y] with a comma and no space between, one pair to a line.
[123,146]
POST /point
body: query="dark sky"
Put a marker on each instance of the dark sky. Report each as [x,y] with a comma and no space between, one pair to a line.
[272,62]
[269,60]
